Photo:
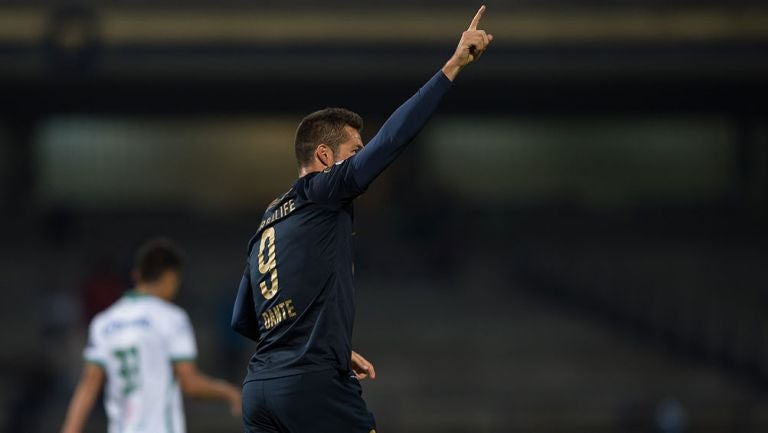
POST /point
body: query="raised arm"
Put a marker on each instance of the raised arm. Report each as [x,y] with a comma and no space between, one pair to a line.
[403,125]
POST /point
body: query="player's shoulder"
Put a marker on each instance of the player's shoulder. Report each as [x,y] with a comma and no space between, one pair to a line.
[330,173]
[330,186]
[103,320]
[108,313]
[166,308]
[171,319]
[99,319]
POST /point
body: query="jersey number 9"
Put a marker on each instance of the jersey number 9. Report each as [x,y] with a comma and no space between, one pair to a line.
[268,263]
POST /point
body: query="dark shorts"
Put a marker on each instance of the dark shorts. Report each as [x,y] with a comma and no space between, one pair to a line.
[321,402]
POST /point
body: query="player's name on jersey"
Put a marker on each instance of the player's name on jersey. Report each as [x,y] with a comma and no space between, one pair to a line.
[281,212]
[117,325]
[278,313]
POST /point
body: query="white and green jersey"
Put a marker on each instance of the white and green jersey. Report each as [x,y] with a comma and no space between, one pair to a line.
[136,341]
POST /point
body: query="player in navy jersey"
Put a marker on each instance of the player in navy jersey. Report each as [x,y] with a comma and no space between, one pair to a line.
[296,297]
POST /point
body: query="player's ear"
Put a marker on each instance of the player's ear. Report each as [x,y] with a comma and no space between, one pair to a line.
[324,154]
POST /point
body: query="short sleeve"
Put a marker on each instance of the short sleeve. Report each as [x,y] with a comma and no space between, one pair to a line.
[181,339]
[95,352]
[335,185]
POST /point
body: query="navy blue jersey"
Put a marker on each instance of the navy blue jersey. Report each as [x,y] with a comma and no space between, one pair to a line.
[296,297]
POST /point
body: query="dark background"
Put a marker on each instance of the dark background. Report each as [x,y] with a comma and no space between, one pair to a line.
[575,243]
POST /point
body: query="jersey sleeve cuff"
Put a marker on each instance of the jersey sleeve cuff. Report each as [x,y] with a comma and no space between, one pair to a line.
[178,359]
[441,81]
[98,362]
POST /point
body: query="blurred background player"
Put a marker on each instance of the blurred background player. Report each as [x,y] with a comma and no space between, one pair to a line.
[143,347]
[296,298]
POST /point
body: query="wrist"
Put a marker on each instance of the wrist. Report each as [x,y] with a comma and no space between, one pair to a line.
[452,68]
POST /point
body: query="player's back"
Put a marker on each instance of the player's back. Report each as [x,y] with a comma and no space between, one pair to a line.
[136,341]
[300,270]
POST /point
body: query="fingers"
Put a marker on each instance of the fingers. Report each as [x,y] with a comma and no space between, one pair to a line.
[473,41]
[486,41]
[476,19]
[367,369]
[362,372]
[476,42]
[362,367]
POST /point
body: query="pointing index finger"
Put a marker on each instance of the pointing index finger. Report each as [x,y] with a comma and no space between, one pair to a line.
[476,19]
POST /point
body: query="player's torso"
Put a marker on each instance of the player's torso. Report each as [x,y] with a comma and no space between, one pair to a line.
[301,272]
[141,393]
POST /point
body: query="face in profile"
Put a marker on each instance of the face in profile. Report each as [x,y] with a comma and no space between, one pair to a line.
[169,283]
[351,146]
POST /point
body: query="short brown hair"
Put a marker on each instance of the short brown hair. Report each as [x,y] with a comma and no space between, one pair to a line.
[155,257]
[325,126]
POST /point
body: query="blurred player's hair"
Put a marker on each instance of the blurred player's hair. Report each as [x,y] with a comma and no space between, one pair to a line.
[325,126]
[157,256]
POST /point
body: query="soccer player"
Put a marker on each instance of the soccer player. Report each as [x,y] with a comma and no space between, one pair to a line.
[144,348]
[296,297]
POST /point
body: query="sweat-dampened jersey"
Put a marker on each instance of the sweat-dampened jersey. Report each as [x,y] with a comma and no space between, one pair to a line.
[136,341]
[296,297]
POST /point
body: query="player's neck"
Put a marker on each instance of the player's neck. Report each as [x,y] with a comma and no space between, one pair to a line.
[315,167]
[150,290]
[303,171]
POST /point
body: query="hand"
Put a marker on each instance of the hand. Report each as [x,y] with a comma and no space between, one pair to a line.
[362,367]
[471,46]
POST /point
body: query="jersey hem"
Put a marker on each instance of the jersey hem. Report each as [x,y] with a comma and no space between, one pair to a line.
[285,373]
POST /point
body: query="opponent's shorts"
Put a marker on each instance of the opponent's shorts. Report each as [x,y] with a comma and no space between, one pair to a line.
[328,401]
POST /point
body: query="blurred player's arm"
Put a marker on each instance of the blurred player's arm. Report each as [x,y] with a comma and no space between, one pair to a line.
[403,125]
[183,352]
[91,381]
[244,319]
[196,384]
